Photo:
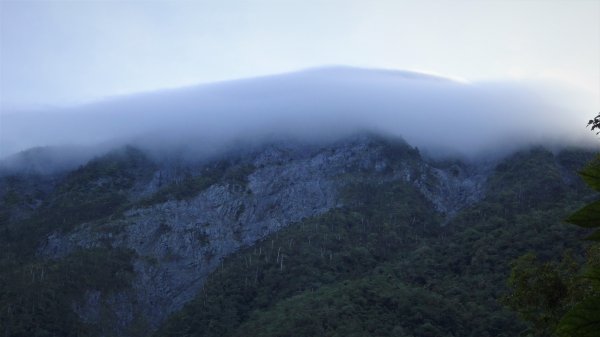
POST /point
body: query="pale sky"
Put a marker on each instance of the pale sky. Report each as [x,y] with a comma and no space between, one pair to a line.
[55,53]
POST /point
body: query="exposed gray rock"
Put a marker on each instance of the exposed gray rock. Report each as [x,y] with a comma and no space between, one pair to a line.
[452,189]
[179,243]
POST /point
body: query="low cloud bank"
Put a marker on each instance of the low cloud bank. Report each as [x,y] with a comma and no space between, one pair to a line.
[438,115]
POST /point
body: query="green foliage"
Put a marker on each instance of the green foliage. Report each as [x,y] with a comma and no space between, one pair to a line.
[36,299]
[238,174]
[21,195]
[191,185]
[94,191]
[188,188]
[37,295]
[377,305]
[383,266]
[543,292]
[339,245]
[584,319]
[534,179]
[589,216]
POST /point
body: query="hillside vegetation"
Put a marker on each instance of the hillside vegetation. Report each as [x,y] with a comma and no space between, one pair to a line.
[384,266]
[383,262]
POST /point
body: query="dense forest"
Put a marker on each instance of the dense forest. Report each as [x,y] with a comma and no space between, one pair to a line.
[385,263]
[383,266]
[264,168]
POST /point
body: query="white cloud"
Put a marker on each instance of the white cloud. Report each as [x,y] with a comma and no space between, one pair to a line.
[430,112]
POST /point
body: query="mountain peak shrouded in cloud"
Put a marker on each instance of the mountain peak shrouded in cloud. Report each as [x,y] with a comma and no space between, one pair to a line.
[319,104]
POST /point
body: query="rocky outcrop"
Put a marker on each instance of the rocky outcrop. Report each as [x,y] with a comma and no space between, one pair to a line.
[180,242]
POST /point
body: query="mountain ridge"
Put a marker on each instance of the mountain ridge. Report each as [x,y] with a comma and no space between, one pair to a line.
[177,222]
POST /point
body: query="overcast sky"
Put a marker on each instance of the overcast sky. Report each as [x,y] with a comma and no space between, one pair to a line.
[56,53]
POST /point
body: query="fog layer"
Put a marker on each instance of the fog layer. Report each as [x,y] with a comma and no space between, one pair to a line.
[438,115]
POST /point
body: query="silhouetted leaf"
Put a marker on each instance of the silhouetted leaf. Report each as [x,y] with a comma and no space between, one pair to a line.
[583,320]
[595,236]
[591,174]
[588,216]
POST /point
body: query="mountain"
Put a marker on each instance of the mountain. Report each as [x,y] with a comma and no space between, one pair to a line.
[362,235]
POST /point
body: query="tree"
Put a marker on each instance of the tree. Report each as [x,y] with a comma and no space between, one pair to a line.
[543,292]
[583,320]
[595,123]
[563,299]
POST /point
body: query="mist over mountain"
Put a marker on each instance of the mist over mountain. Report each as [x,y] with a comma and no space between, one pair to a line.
[211,210]
[264,168]
[262,242]
[436,114]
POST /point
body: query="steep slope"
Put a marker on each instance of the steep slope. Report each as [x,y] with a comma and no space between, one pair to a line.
[180,242]
[253,233]
[382,265]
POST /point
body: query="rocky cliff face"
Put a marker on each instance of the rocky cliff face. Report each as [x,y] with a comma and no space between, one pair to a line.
[178,243]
